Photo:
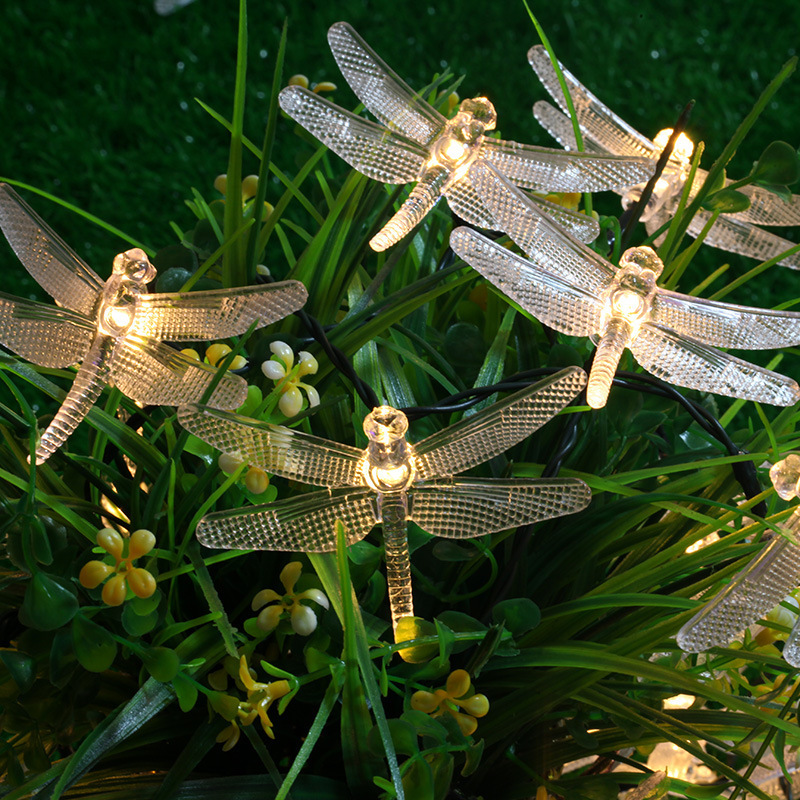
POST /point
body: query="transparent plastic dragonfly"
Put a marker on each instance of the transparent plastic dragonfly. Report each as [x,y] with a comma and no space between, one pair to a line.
[412,141]
[114,327]
[391,481]
[760,586]
[574,290]
[604,132]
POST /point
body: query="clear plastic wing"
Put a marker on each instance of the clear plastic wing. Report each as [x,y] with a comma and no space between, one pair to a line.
[215,314]
[463,508]
[44,334]
[687,362]
[556,302]
[306,523]
[552,248]
[725,324]
[610,132]
[545,169]
[791,648]
[54,264]
[379,88]
[766,208]
[276,449]
[757,589]
[559,126]
[155,374]
[368,147]
[743,238]
[490,432]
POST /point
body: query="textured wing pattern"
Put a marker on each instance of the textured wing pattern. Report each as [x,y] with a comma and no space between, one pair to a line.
[559,126]
[492,431]
[766,208]
[384,94]
[368,147]
[306,523]
[215,314]
[464,508]
[609,131]
[278,450]
[43,334]
[687,362]
[757,589]
[545,169]
[155,374]
[559,304]
[55,266]
[551,248]
[725,324]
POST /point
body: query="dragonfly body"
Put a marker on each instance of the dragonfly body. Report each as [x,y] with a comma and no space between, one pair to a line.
[391,481]
[604,132]
[114,328]
[413,142]
[574,290]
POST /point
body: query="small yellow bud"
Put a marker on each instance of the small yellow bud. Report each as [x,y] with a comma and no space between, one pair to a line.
[263,269]
[191,353]
[141,543]
[142,583]
[298,80]
[216,353]
[115,591]
[256,480]
[249,187]
[94,573]
[221,183]
[229,464]
[325,86]
[111,542]
[291,401]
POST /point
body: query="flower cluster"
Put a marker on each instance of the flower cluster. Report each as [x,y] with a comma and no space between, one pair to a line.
[302,80]
[452,698]
[282,369]
[215,354]
[260,696]
[122,575]
[302,617]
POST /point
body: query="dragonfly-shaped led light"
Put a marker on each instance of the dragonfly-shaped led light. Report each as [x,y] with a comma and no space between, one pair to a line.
[114,327]
[391,481]
[414,142]
[574,290]
[604,132]
[760,586]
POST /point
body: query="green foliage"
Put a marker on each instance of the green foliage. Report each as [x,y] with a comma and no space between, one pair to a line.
[567,629]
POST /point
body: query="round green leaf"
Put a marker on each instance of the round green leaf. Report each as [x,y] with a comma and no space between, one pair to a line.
[172,280]
[21,668]
[518,614]
[161,662]
[136,624]
[729,201]
[186,692]
[94,646]
[49,603]
[778,163]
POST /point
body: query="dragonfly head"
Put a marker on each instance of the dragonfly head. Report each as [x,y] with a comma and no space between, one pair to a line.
[135,266]
[784,475]
[388,465]
[475,116]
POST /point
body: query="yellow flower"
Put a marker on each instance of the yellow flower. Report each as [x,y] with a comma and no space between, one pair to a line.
[260,696]
[452,698]
[303,618]
[281,369]
[217,352]
[229,736]
[123,574]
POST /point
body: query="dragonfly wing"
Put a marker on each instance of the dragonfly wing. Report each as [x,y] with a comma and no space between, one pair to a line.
[608,131]
[155,374]
[306,523]
[276,449]
[583,227]
[379,88]
[546,169]
[559,126]
[490,432]
[44,334]
[215,314]
[463,508]
[55,265]
[552,248]
[687,362]
[757,589]
[766,208]
[558,303]
[734,236]
[726,324]
[368,147]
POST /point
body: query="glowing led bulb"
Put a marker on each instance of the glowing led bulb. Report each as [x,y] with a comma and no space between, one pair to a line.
[413,142]
[115,327]
[391,481]
[574,290]
[604,132]
[760,586]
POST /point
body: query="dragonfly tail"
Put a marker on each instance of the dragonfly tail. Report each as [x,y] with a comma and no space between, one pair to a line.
[609,351]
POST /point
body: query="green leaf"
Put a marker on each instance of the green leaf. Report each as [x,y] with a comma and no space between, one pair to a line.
[49,603]
[784,192]
[418,780]
[161,662]
[186,692]
[137,624]
[94,646]
[404,736]
[779,164]
[728,201]
[518,614]
[20,666]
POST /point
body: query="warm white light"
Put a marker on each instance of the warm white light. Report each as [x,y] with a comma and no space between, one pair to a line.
[455,150]
[120,317]
[704,542]
[683,149]
[678,701]
[628,304]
